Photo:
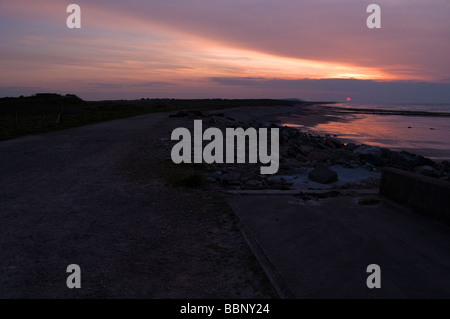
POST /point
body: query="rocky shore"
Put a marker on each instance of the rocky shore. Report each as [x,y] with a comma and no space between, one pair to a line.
[309,161]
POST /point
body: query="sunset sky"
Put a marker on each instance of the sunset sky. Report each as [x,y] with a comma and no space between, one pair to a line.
[312,49]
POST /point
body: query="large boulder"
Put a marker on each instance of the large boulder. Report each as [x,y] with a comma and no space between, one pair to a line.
[323,175]
[408,161]
[332,142]
[370,154]
[427,171]
[351,146]
[367,149]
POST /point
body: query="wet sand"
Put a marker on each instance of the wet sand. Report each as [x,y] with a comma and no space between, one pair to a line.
[422,133]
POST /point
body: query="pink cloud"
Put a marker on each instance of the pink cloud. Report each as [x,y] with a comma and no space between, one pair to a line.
[188,42]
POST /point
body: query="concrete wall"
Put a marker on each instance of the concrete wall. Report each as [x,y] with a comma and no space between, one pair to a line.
[426,195]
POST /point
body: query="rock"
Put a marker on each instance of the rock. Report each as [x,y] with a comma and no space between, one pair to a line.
[224,179]
[351,147]
[370,183]
[370,154]
[374,160]
[317,156]
[253,183]
[292,151]
[444,166]
[408,161]
[332,142]
[367,149]
[227,179]
[353,164]
[323,175]
[273,179]
[369,167]
[289,164]
[216,175]
[323,146]
[425,161]
[285,133]
[300,158]
[284,152]
[275,182]
[427,171]
[303,149]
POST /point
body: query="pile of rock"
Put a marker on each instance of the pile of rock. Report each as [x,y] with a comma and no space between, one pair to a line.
[306,153]
[319,151]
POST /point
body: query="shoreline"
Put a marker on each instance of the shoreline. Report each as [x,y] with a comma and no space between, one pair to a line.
[302,152]
[389,112]
[396,130]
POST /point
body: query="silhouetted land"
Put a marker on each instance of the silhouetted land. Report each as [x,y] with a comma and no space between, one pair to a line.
[47,112]
[388,112]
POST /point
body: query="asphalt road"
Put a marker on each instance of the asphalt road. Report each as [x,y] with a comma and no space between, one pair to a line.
[321,248]
[92,196]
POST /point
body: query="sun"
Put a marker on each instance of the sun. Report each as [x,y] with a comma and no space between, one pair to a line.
[349,99]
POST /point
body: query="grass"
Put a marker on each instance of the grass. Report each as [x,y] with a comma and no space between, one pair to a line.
[50,112]
[183,175]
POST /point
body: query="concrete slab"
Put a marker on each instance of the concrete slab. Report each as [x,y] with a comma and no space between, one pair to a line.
[346,176]
[429,196]
[321,248]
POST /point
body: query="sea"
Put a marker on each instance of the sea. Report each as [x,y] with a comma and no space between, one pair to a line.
[394,126]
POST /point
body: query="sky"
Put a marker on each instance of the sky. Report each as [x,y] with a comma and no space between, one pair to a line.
[308,49]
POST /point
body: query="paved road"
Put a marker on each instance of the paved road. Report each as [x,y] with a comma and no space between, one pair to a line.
[321,248]
[92,196]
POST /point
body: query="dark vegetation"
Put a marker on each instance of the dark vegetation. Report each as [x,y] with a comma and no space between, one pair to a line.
[47,112]
[183,175]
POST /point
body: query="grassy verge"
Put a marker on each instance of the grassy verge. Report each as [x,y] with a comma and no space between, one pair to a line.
[49,112]
[183,175]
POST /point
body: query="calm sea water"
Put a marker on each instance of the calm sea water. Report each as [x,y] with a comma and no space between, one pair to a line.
[425,135]
[400,107]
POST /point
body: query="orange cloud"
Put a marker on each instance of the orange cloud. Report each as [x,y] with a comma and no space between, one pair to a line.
[124,43]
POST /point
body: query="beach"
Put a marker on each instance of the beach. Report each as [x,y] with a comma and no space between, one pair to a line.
[420,129]
[304,147]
